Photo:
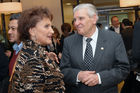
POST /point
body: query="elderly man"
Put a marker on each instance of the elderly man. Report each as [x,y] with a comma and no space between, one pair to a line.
[93,61]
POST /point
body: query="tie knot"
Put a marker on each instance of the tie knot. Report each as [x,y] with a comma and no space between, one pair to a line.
[88,40]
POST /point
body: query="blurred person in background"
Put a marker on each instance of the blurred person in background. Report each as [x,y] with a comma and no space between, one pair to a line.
[115,25]
[54,47]
[2,38]
[73,31]
[13,38]
[99,25]
[127,35]
[66,29]
[4,62]
[136,56]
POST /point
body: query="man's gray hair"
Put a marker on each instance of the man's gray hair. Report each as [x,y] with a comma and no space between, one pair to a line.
[90,7]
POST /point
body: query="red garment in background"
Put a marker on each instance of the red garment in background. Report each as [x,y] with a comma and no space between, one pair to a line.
[12,62]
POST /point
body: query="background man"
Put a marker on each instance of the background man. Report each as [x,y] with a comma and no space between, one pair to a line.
[116,27]
[13,38]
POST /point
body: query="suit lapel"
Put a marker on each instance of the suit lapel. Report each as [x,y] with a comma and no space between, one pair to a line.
[100,46]
[80,51]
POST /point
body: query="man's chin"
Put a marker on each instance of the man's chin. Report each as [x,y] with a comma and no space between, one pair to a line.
[12,41]
[80,32]
[49,42]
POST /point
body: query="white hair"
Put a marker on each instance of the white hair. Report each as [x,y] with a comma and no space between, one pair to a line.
[90,7]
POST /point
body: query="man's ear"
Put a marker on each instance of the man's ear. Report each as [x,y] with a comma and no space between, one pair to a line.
[94,19]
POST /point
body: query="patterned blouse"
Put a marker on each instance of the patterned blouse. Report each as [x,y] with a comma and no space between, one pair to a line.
[35,73]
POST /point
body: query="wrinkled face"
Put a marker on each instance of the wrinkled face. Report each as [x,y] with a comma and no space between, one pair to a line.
[84,24]
[42,32]
[12,32]
[115,22]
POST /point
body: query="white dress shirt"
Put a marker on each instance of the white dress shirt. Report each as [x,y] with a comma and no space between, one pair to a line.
[117,30]
[93,43]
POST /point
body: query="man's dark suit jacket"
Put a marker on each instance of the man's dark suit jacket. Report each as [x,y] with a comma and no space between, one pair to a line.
[136,44]
[4,63]
[110,61]
[131,85]
[112,29]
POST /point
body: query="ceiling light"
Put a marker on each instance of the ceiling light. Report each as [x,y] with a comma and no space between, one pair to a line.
[68,3]
[10,7]
[126,3]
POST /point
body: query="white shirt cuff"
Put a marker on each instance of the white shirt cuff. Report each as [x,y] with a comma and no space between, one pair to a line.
[99,78]
[77,80]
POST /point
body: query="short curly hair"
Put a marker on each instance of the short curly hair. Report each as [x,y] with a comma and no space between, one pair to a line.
[29,18]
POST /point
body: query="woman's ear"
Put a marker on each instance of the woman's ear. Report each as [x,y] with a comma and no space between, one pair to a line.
[32,32]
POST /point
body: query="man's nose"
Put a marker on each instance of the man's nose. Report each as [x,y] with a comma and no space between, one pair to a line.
[9,31]
[76,22]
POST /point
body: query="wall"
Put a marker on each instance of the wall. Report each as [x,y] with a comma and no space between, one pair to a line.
[53,5]
[68,14]
[7,16]
[0,25]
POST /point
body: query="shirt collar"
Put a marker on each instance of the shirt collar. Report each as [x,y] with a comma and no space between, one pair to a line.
[94,36]
[17,47]
[116,27]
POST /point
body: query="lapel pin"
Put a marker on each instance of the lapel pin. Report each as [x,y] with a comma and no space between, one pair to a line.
[102,48]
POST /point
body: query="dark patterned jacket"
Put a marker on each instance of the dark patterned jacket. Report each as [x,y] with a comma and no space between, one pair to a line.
[35,73]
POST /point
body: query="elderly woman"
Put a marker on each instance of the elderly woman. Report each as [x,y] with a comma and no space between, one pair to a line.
[34,71]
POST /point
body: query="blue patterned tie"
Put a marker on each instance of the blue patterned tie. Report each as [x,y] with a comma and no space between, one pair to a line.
[88,57]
